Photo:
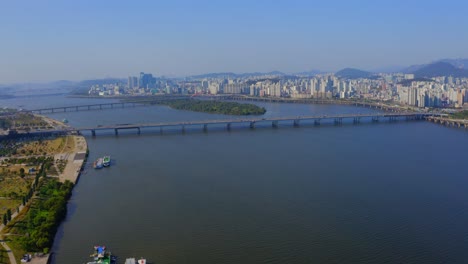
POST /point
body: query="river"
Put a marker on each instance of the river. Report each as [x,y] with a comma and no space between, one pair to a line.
[368,193]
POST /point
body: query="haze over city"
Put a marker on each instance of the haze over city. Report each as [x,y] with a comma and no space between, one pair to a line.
[75,40]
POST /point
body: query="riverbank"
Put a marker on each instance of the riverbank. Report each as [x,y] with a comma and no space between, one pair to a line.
[72,155]
[75,160]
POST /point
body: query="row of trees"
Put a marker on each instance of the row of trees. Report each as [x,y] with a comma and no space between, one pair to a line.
[30,160]
[7,217]
[215,107]
[43,219]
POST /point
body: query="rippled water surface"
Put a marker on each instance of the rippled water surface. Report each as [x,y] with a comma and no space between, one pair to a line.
[368,193]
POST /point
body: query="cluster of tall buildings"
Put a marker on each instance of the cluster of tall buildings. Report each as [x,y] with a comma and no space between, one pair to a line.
[437,92]
[145,81]
[444,91]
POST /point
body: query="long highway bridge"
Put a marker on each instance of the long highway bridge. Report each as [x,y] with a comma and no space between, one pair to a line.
[250,122]
[131,102]
[144,101]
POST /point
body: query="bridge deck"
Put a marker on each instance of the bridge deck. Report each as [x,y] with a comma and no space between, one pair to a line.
[250,120]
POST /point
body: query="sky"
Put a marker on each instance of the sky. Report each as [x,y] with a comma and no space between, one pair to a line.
[75,40]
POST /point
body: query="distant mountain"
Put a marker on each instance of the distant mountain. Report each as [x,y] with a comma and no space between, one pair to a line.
[308,73]
[389,69]
[458,63]
[440,69]
[236,75]
[350,73]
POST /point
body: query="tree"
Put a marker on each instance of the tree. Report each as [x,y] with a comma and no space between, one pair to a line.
[8,215]
[22,172]
[5,219]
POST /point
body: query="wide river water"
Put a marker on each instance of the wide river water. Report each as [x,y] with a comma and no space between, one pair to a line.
[369,193]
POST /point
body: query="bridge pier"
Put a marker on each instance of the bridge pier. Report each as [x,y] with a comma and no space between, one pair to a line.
[228,126]
[357,120]
[100,106]
[116,131]
[139,131]
[296,123]
[252,125]
[183,129]
[338,121]
[274,124]
[205,128]
[93,133]
[77,108]
[317,122]
[160,130]
[375,119]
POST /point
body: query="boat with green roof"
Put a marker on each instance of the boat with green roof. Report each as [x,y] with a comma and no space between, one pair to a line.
[102,256]
[106,160]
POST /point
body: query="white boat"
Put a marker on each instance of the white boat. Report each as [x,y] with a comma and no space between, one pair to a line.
[130,261]
[142,261]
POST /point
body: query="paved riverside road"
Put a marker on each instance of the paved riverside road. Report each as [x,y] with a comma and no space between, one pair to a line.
[10,254]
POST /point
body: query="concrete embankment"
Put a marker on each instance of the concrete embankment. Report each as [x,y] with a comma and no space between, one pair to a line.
[75,160]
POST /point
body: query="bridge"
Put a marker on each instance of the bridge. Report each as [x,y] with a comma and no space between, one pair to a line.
[448,121]
[132,102]
[251,122]
[148,100]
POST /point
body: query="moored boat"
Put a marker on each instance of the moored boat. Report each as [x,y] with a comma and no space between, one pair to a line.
[130,261]
[106,160]
[101,256]
[98,163]
[142,261]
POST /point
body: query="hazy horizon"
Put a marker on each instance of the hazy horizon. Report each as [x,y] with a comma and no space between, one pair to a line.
[77,40]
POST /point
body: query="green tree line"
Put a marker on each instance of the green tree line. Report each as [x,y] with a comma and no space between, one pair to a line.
[215,107]
[43,219]
[461,115]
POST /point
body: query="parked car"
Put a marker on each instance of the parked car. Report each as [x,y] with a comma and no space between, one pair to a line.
[26,258]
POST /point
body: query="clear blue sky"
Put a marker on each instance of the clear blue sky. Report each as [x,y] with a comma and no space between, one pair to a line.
[79,39]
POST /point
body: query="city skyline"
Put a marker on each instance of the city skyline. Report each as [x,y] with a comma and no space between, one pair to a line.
[85,40]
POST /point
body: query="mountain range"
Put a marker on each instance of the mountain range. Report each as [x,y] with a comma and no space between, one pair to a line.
[236,75]
[445,67]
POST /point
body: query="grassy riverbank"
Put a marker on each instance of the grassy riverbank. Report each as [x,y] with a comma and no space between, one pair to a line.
[460,115]
[214,107]
[37,176]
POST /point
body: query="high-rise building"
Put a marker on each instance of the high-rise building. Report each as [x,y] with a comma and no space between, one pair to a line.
[313,86]
[146,80]
[132,82]
[413,96]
